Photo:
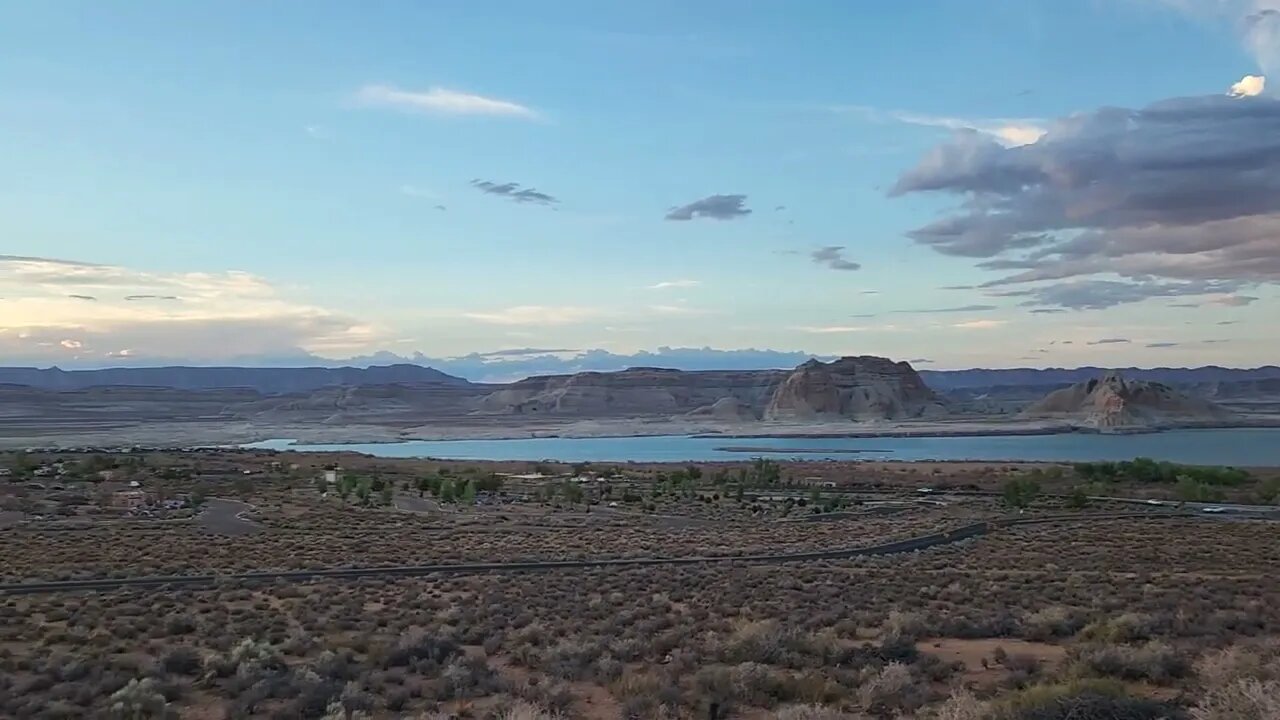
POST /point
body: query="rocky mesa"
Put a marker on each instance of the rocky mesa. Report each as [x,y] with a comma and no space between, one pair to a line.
[851,388]
[1114,403]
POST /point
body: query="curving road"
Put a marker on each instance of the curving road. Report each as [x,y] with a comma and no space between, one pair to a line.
[898,546]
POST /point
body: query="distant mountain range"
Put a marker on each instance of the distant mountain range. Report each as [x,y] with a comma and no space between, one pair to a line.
[268,381]
[276,381]
[945,380]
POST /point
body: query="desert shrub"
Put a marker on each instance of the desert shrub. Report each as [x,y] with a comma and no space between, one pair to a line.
[1079,699]
[138,699]
[892,689]
[809,712]
[1125,628]
[528,711]
[907,625]
[467,677]
[1247,699]
[420,646]
[1242,661]
[772,643]
[181,660]
[1155,661]
[961,705]
[1050,622]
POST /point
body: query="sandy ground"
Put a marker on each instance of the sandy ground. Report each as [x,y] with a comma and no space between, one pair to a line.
[193,434]
[196,434]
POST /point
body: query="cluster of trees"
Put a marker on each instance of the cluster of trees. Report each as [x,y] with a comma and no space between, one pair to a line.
[458,489]
[1146,470]
[363,488]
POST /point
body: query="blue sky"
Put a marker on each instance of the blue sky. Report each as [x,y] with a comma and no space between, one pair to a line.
[336,179]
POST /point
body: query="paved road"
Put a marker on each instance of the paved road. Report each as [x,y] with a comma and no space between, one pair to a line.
[899,546]
[225,517]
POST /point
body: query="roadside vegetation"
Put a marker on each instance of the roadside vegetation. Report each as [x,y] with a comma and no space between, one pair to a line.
[1148,618]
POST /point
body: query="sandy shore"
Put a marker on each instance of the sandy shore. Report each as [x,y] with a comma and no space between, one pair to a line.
[194,434]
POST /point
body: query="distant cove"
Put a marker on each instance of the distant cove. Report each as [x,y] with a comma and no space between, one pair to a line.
[1234,446]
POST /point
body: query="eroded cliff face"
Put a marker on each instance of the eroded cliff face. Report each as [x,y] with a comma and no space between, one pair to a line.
[637,392]
[853,388]
[1115,403]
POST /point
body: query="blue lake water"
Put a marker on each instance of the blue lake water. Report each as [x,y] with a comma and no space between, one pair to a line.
[1235,446]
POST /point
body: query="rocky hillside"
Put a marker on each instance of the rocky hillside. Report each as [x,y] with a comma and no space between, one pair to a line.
[1116,403]
[853,388]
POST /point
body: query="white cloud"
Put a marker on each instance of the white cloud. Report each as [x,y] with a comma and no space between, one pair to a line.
[1249,86]
[677,310]
[675,284]
[979,324]
[418,192]
[536,315]
[1010,132]
[201,315]
[830,329]
[440,101]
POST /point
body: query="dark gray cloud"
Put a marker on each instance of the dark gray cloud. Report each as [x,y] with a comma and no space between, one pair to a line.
[1100,294]
[920,361]
[1163,344]
[958,287]
[90,298]
[1186,189]
[134,298]
[441,207]
[1048,311]
[513,191]
[1227,322]
[957,309]
[1110,341]
[1211,342]
[716,207]
[833,257]
[1234,300]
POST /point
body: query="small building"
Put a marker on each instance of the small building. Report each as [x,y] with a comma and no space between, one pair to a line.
[331,477]
[128,499]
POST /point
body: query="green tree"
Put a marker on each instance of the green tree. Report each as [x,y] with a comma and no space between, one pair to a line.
[385,495]
[446,492]
[1020,492]
[571,492]
[469,493]
[321,486]
[1188,489]
[694,472]
[1078,499]
[1269,490]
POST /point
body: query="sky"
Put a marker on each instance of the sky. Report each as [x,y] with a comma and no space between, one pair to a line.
[1020,183]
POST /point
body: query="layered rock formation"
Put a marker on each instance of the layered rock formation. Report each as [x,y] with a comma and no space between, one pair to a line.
[853,388]
[636,392]
[1115,403]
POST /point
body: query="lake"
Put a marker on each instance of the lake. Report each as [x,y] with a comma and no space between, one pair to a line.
[1235,446]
